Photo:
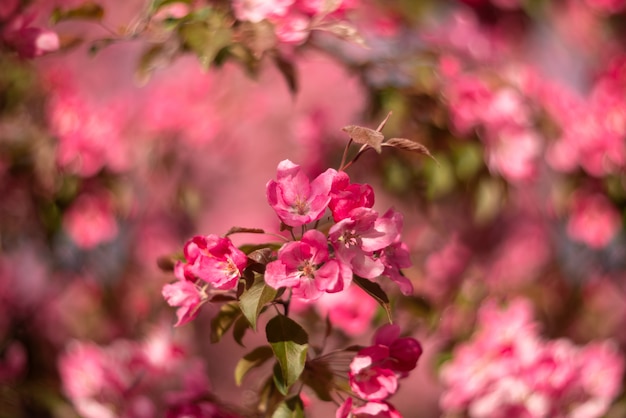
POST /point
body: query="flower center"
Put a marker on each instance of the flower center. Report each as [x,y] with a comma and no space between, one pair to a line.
[300,206]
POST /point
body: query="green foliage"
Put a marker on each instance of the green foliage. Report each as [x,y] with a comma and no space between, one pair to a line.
[289,341]
[86,11]
[205,32]
[253,359]
[222,322]
[375,291]
[290,408]
[255,298]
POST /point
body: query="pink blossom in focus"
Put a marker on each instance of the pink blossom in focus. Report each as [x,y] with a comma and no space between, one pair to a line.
[368,380]
[403,352]
[90,220]
[345,196]
[397,256]
[375,409]
[215,260]
[184,295]
[295,199]
[371,409]
[593,219]
[306,268]
[356,238]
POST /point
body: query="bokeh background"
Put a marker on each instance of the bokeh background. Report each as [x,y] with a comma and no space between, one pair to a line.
[120,139]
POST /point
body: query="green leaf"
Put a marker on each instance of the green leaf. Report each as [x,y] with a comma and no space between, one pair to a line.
[269,397]
[375,291]
[290,408]
[155,57]
[224,320]
[253,300]
[288,70]
[206,38]
[86,11]
[239,330]
[318,376]
[253,359]
[289,342]
[242,230]
[157,4]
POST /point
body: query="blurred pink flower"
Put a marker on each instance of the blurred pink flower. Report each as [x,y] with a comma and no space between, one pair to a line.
[593,219]
[507,368]
[29,41]
[351,310]
[90,220]
[258,10]
[468,96]
[90,136]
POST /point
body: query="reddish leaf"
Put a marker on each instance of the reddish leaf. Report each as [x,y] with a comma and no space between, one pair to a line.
[408,145]
[366,136]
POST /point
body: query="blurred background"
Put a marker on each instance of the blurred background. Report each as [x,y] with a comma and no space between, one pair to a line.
[126,128]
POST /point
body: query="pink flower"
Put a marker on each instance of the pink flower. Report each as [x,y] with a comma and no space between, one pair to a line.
[506,369]
[397,255]
[356,238]
[90,221]
[295,200]
[29,42]
[513,152]
[468,98]
[345,196]
[258,10]
[215,260]
[305,267]
[368,380]
[90,136]
[403,353]
[292,28]
[351,310]
[593,219]
[185,295]
[371,409]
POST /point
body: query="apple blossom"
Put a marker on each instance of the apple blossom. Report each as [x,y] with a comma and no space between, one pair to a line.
[296,200]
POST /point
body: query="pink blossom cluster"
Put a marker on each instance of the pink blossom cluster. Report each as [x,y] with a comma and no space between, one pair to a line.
[508,369]
[361,242]
[503,118]
[210,261]
[136,379]
[375,371]
[293,20]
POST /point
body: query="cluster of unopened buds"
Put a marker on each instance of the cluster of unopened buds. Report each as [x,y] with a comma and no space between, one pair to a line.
[335,238]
